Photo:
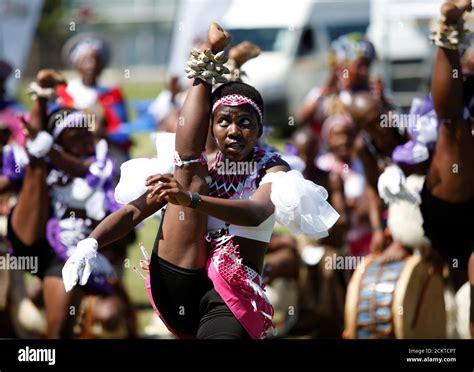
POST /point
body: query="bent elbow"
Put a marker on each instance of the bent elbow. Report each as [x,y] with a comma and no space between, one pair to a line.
[257,219]
[255,222]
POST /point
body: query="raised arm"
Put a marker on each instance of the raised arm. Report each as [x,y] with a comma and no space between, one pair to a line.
[447,79]
[30,223]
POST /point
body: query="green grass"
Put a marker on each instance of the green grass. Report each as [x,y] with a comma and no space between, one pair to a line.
[140,91]
[134,283]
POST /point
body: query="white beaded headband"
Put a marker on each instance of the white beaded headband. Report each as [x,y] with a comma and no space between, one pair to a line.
[237,100]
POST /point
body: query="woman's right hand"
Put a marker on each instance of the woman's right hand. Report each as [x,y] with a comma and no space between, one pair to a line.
[166,187]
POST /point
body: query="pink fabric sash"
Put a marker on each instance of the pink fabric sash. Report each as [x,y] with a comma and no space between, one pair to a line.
[241,287]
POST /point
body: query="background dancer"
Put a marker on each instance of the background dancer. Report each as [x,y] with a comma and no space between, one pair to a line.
[67,181]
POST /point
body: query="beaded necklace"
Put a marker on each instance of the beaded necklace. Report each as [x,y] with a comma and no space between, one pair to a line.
[225,185]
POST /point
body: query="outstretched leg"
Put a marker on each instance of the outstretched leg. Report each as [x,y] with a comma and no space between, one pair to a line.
[183,228]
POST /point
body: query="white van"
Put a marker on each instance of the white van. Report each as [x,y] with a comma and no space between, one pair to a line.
[294,37]
[399,31]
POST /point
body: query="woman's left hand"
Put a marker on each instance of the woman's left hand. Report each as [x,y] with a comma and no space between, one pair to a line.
[166,187]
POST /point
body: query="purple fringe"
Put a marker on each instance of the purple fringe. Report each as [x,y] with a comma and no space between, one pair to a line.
[10,167]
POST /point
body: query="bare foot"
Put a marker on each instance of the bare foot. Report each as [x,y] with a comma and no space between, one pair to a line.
[453,10]
[49,78]
[243,52]
[217,38]
[394,252]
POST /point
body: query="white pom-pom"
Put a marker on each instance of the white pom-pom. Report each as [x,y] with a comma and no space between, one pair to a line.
[390,183]
[300,204]
[391,186]
[405,220]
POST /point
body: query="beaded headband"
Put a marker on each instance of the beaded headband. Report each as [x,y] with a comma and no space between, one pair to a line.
[237,100]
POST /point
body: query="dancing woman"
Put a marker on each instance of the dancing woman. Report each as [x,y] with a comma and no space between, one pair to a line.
[212,288]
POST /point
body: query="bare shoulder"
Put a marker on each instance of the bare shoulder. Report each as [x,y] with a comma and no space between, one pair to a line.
[278,168]
[279,165]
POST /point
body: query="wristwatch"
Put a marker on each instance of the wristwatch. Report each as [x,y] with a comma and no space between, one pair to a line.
[195,199]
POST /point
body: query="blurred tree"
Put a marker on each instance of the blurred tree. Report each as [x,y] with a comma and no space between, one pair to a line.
[52,32]
[52,17]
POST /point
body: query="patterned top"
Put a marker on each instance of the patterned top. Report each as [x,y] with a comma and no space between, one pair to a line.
[230,179]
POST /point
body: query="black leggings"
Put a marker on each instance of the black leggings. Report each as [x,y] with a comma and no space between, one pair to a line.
[449,226]
[189,303]
[217,321]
